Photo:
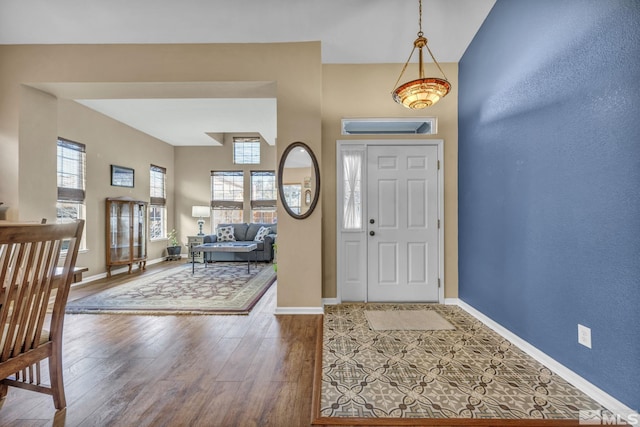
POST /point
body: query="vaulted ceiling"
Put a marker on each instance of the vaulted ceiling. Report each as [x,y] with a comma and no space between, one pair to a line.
[350,32]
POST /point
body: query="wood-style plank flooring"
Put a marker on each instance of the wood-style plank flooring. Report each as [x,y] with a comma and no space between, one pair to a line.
[129,370]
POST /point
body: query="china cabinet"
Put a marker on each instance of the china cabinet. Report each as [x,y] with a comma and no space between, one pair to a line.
[126,225]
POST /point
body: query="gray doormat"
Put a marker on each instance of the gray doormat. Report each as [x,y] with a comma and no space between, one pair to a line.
[406,320]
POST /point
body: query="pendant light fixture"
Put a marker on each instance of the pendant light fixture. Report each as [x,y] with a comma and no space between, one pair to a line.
[422,92]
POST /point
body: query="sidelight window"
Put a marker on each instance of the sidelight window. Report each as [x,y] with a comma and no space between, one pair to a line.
[352,163]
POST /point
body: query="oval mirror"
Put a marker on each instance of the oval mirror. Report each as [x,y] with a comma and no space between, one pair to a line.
[299,180]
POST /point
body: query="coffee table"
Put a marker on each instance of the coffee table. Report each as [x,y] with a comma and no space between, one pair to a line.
[225,247]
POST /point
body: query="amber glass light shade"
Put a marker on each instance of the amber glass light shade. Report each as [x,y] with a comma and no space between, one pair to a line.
[421,93]
[424,91]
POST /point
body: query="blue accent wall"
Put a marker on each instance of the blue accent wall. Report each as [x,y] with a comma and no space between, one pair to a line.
[549,181]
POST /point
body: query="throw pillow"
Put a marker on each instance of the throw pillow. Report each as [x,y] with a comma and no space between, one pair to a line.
[225,234]
[262,233]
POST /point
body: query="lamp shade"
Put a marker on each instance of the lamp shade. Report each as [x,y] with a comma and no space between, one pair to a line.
[421,93]
[200,211]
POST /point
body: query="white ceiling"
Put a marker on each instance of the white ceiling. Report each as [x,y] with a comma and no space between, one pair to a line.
[192,121]
[350,31]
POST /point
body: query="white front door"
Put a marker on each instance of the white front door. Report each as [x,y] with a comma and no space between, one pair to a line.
[402,223]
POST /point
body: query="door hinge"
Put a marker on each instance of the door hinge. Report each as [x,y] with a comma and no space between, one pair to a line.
[438,223]
[438,282]
[438,164]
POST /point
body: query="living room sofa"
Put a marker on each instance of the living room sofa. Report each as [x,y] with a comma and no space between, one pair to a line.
[244,232]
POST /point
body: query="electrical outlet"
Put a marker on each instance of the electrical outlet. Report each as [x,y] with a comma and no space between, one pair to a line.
[584,335]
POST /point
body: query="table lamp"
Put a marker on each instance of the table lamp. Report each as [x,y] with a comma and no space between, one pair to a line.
[200,212]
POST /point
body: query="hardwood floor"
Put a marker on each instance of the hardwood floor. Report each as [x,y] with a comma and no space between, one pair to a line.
[129,370]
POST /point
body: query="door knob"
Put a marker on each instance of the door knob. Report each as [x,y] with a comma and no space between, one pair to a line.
[372,233]
[372,221]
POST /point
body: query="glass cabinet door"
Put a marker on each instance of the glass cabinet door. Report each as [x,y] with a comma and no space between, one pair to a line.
[139,231]
[120,232]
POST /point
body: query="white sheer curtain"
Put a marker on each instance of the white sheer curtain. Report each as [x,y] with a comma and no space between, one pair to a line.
[352,161]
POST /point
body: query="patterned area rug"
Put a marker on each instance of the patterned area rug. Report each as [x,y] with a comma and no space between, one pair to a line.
[220,288]
[469,372]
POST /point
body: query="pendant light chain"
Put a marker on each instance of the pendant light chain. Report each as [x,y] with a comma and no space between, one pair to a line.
[420,33]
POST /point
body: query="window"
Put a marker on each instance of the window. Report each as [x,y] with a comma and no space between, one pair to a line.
[352,164]
[246,151]
[293,196]
[394,126]
[158,202]
[71,159]
[263,197]
[227,197]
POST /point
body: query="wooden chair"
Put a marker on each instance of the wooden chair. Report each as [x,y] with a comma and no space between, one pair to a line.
[29,255]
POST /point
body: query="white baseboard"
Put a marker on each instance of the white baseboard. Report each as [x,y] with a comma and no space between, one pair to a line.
[330,301]
[451,301]
[615,406]
[299,310]
[103,275]
[158,260]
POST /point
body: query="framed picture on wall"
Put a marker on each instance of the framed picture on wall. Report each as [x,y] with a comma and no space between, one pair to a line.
[121,176]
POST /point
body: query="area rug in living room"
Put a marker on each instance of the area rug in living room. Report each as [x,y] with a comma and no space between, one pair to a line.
[218,288]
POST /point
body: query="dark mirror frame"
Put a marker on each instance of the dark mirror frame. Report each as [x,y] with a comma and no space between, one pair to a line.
[316,171]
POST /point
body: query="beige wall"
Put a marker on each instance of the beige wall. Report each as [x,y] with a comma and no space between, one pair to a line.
[312,98]
[294,67]
[193,183]
[350,91]
[109,142]
[43,118]
[38,123]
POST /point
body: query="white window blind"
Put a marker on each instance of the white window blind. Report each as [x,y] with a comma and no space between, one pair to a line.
[71,171]
[158,201]
[263,196]
[227,189]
